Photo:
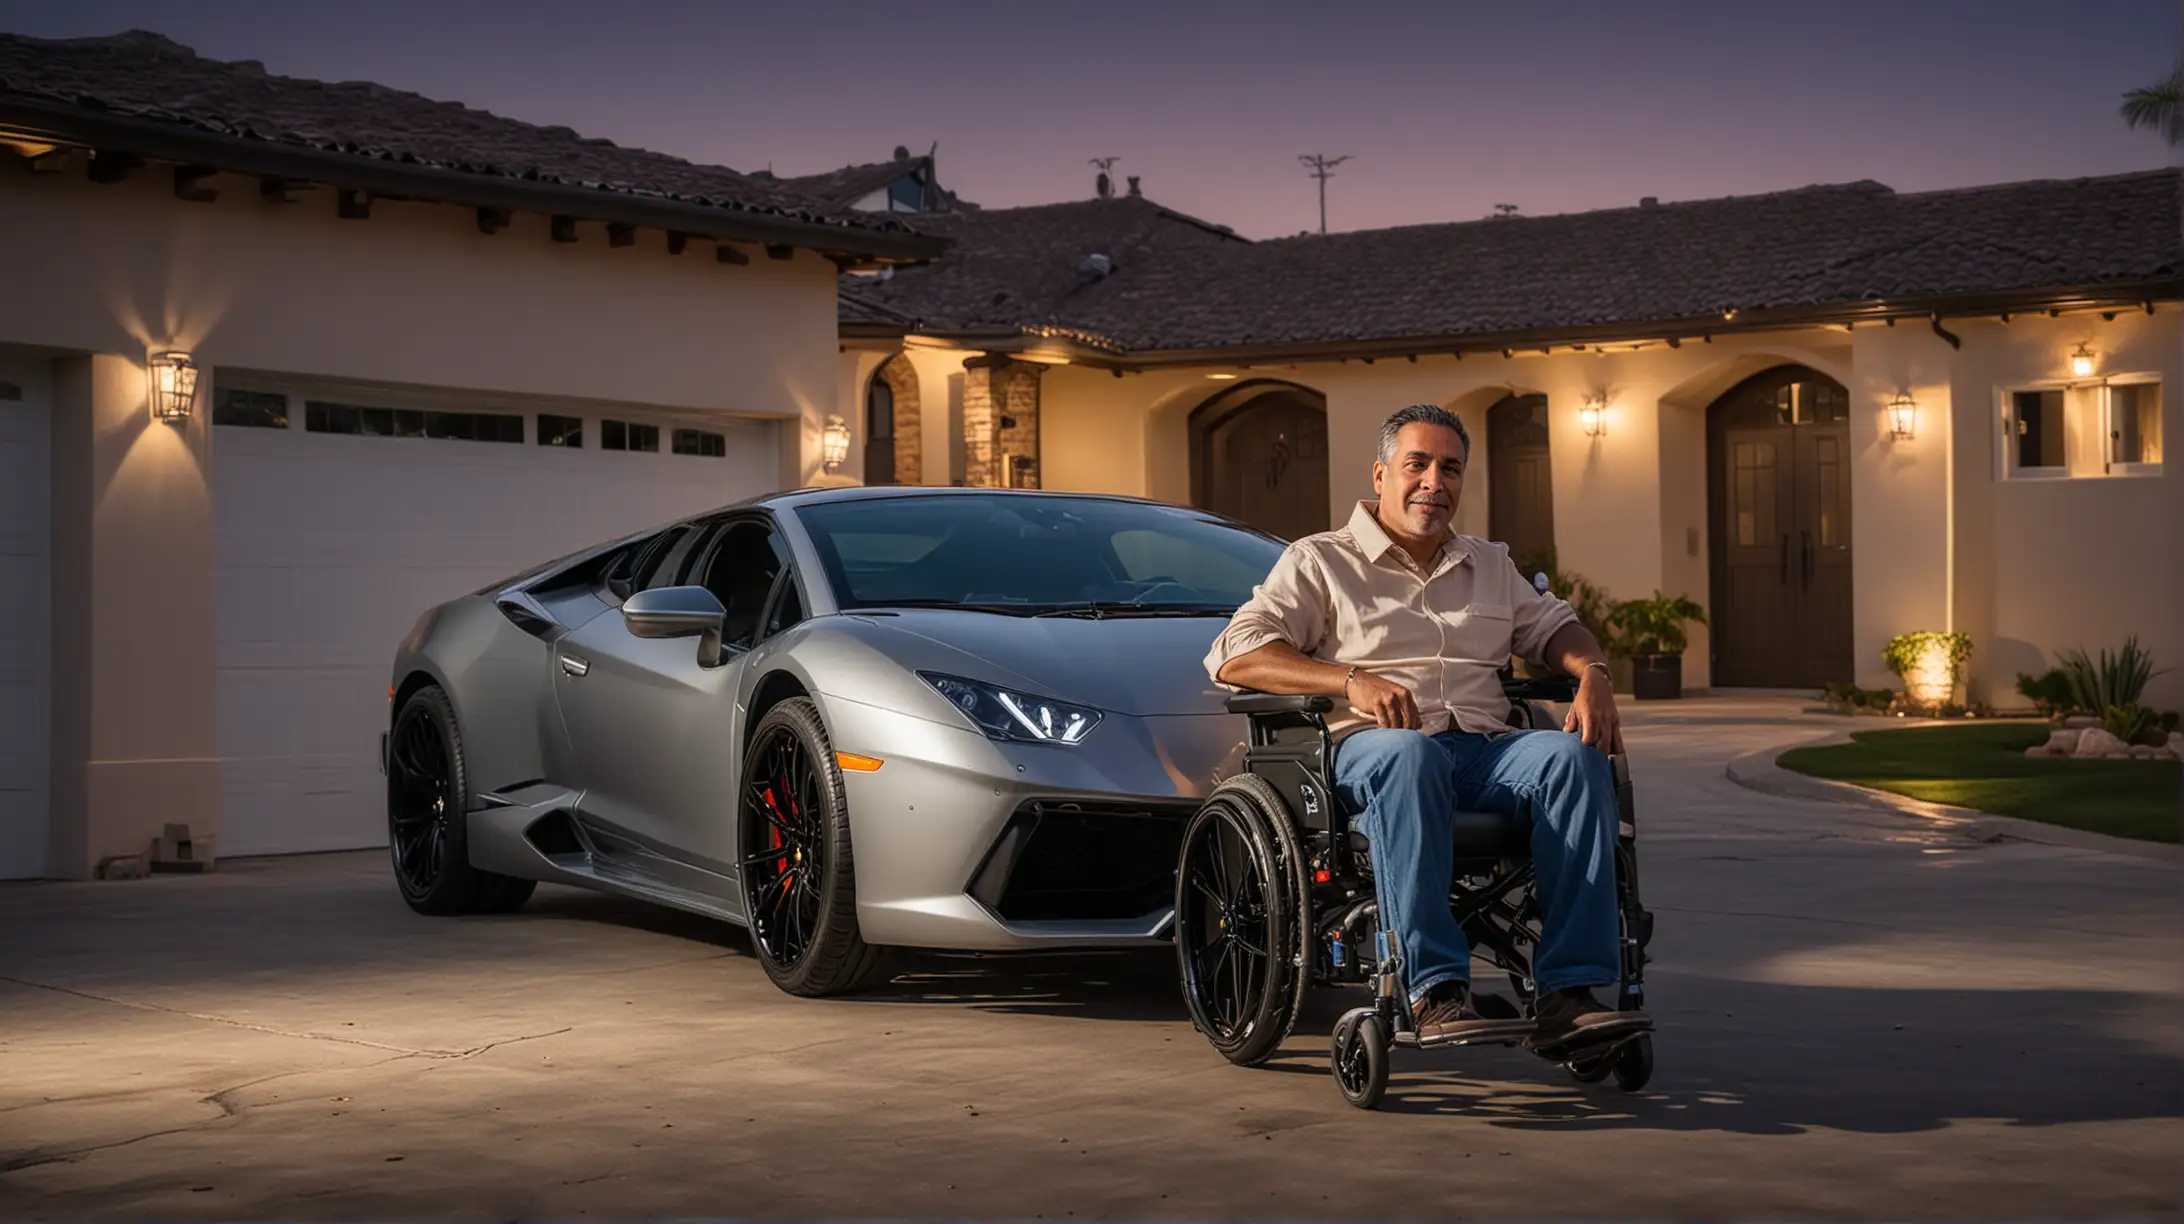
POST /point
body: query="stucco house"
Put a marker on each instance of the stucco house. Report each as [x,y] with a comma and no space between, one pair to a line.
[431,346]
[1830,414]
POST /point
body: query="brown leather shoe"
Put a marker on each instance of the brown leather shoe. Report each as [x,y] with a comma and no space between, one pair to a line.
[1446,1017]
[1573,1018]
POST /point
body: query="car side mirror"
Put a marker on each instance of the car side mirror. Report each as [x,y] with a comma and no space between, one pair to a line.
[680,611]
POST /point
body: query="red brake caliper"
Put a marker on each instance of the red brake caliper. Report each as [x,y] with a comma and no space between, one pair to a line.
[773,831]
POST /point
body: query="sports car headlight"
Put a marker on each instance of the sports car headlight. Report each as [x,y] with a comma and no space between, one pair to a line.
[1006,714]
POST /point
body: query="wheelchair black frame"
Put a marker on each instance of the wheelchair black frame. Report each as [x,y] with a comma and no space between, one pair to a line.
[1291,749]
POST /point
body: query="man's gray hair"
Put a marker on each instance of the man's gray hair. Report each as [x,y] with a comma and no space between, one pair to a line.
[1419,414]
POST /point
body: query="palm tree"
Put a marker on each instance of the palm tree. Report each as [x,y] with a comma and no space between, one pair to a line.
[2159,106]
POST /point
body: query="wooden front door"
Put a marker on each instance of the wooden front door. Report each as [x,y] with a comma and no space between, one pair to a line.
[1779,458]
[1262,460]
[1520,493]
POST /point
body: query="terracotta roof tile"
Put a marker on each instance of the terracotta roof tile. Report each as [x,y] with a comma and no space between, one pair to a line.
[146,76]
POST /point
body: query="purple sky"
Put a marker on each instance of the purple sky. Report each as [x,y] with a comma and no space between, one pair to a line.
[1448,108]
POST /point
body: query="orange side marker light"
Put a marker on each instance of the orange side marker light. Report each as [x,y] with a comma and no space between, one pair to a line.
[856,764]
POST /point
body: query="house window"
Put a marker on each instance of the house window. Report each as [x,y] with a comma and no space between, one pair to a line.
[560,430]
[2134,425]
[879,447]
[906,194]
[2036,433]
[629,436]
[250,409]
[321,416]
[700,442]
[2062,431]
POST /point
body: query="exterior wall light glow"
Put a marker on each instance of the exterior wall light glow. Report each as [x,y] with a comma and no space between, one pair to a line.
[2081,361]
[834,444]
[1594,416]
[1221,377]
[172,375]
[1903,418]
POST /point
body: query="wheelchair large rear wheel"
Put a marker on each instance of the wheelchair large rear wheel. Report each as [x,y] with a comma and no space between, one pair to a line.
[1240,917]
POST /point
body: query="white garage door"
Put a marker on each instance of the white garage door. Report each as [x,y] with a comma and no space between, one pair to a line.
[341,516]
[25,592]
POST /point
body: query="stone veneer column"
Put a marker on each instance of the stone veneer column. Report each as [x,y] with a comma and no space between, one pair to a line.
[1001,422]
[134,745]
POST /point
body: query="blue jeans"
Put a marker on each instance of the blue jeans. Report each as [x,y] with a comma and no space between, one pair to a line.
[1404,785]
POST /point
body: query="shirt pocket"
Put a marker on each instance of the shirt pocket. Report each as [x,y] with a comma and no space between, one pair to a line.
[1481,632]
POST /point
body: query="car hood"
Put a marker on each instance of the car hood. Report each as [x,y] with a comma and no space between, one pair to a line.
[1144,666]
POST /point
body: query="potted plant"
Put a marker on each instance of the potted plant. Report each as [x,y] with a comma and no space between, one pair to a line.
[1651,633]
[1931,664]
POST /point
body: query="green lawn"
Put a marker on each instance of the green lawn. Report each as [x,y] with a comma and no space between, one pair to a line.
[1985,767]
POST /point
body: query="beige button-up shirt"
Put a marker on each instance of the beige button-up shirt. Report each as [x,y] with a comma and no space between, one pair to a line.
[1351,596]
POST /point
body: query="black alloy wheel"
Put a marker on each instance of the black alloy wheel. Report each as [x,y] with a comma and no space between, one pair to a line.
[427,792]
[799,880]
[1239,919]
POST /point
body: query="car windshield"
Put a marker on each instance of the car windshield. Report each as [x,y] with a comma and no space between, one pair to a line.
[1036,555]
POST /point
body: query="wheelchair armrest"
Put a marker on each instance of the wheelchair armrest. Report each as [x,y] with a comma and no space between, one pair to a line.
[1279,703]
[1541,688]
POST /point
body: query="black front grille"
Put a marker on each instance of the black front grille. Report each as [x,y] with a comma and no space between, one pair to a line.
[1074,860]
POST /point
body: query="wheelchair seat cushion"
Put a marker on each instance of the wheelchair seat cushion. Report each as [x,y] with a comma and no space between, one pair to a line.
[1491,834]
[1479,835]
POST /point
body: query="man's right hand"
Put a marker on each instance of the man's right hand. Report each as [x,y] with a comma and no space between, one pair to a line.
[1390,704]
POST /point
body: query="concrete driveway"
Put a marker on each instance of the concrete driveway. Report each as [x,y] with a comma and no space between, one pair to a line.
[1862,1016]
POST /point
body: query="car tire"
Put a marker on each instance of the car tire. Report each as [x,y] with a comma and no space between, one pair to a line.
[803,931]
[428,794]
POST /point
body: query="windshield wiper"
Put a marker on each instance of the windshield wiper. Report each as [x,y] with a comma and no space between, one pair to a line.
[1100,609]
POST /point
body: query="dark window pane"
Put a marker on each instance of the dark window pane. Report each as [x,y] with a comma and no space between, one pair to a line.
[2038,418]
[644,438]
[253,409]
[457,425]
[409,423]
[560,430]
[700,442]
[377,422]
[613,435]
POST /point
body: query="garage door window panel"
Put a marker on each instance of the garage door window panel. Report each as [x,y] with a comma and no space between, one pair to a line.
[701,442]
[249,409]
[556,430]
[629,436]
[363,420]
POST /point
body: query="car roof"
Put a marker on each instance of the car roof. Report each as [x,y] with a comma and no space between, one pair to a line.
[792,499]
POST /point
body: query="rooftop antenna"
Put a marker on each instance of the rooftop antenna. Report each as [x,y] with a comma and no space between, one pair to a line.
[1104,185]
[1323,168]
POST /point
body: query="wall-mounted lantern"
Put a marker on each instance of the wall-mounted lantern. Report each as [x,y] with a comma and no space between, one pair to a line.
[172,375]
[1594,416]
[1903,417]
[834,444]
[2081,361]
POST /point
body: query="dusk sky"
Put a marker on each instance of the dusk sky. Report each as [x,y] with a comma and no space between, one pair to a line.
[1447,109]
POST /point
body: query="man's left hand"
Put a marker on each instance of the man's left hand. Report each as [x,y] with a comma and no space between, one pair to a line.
[1592,716]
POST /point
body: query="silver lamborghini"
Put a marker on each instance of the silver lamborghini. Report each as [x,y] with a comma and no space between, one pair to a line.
[850,719]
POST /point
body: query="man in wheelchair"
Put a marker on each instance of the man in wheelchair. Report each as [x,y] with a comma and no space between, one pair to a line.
[1406,625]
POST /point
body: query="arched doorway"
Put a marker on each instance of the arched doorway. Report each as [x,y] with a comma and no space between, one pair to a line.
[893,441]
[1259,455]
[1778,497]
[1520,502]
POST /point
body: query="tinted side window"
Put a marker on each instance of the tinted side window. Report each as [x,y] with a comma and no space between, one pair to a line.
[740,573]
[663,561]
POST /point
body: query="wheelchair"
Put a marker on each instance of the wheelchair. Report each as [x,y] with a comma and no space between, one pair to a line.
[1274,895]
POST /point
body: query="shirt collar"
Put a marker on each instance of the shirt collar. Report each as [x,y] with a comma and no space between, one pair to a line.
[1375,542]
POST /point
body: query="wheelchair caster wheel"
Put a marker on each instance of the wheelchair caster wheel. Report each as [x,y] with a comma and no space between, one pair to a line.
[1360,1057]
[1634,1064]
[1592,1070]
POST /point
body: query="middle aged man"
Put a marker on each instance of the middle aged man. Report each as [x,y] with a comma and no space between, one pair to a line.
[1406,623]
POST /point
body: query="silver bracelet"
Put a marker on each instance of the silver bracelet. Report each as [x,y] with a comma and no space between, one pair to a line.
[1589,666]
[1347,677]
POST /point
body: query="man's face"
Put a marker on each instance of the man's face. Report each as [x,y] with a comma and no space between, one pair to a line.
[1420,485]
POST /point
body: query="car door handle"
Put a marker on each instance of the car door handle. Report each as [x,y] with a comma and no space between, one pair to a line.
[573,665]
